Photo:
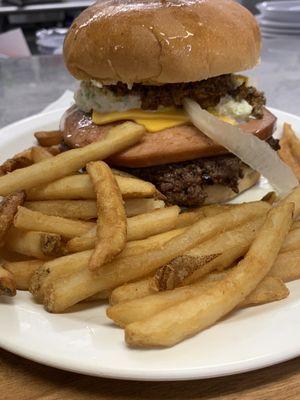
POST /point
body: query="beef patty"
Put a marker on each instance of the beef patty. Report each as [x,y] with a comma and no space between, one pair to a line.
[184,183]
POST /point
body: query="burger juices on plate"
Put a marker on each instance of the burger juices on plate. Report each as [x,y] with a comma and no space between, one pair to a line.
[138,60]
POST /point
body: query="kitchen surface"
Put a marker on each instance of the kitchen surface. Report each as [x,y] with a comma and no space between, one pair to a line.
[30,84]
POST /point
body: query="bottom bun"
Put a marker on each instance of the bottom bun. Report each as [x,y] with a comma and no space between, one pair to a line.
[219,193]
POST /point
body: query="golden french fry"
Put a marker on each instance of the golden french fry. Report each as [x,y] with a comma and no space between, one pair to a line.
[78,286]
[22,271]
[111,217]
[130,291]
[138,227]
[40,154]
[73,263]
[80,187]
[296,225]
[73,209]
[294,197]
[289,150]
[41,245]
[287,266]
[48,138]
[8,209]
[292,241]
[7,283]
[269,289]
[119,138]
[35,221]
[216,253]
[185,319]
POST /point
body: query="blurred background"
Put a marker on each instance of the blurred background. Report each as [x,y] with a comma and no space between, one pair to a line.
[39,26]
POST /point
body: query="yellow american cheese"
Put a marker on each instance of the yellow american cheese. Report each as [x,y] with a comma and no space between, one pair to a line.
[153,121]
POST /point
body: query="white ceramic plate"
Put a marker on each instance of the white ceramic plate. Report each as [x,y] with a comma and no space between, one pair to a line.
[85,341]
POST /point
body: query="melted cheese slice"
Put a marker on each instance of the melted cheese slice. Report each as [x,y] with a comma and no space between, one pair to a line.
[153,121]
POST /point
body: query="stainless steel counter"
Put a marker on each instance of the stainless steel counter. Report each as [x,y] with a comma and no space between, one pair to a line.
[28,85]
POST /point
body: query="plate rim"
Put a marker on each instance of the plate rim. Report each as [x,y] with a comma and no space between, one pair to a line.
[193,373]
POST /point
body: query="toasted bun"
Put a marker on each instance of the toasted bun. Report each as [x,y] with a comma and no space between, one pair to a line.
[157,42]
[220,193]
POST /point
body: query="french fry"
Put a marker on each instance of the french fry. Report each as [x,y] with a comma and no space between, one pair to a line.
[7,283]
[290,149]
[55,269]
[48,138]
[39,245]
[40,154]
[111,217]
[35,221]
[119,138]
[287,266]
[66,292]
[138,227]
[296,225]
[80,187]
[22,271]
[269,289]
[130,291]
[174,324]
[86,209]
[135,207]
[294,197]
[8,209]
[292,241]
[73,209]
[217,253]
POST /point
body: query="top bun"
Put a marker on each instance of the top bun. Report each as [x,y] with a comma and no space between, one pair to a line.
[155,42]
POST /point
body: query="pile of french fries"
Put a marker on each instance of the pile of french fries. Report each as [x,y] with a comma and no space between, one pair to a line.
[72,229]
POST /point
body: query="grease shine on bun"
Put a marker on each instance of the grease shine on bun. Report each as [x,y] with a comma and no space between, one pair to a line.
[156,42]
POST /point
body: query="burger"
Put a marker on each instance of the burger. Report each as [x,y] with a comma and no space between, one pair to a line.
[138,60]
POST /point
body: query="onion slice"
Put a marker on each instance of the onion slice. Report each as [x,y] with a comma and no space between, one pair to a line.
[251,150]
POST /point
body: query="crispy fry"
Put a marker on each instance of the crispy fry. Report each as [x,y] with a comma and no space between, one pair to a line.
[7,283]
[78,286]
[287,266]
[296,225]
[35,221]
[73,209]
[130,291]
[71,264]
[23,271]
[119,138]
[292,241]
[217,253]
[80,187]
[39,245]
[294,197]
[48,138]
[290,149]
[138,227]
[8,209]
[40,154]
[269,289]
[111,217]
[197,313]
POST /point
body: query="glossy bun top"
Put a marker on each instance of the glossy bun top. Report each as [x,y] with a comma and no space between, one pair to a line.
[157,42]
